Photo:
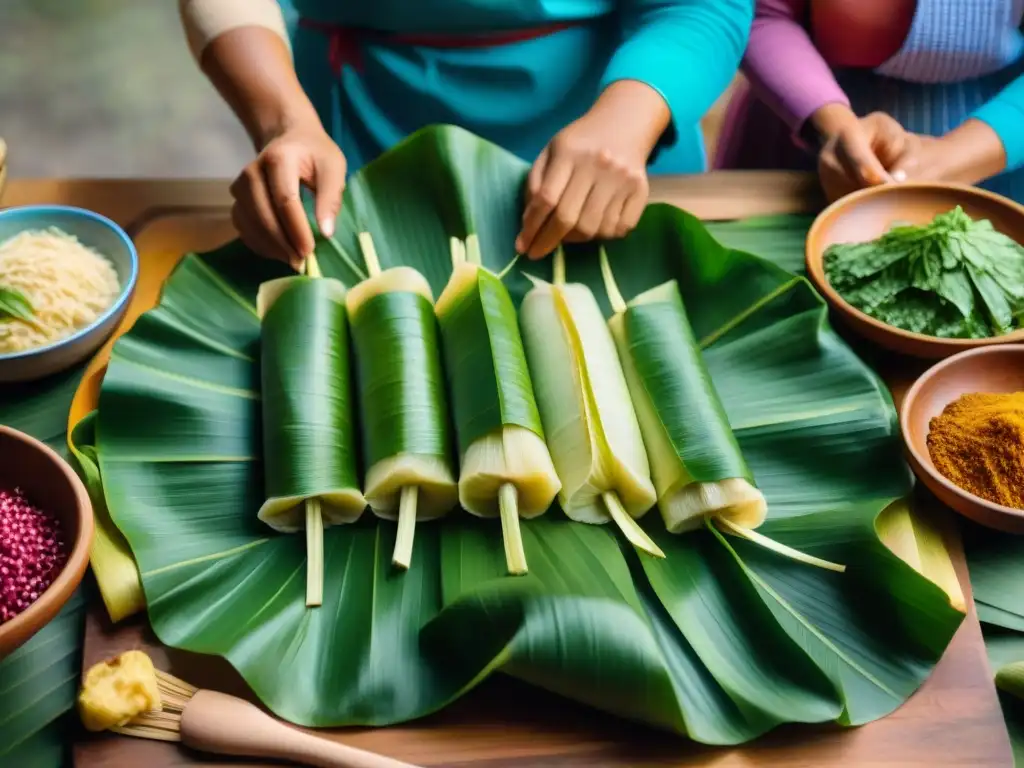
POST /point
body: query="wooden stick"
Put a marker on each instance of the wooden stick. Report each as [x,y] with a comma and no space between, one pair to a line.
[406,527]
[558,267]
[508,504]
[314,554]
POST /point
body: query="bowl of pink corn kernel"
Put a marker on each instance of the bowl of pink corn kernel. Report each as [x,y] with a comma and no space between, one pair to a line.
[46,530]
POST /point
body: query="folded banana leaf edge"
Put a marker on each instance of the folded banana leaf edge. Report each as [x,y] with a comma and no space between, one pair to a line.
[722,641]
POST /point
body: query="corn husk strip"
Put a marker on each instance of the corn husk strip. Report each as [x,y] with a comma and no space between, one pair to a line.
[506,467]
[110,558]
[918,537]
[406,439]
[698,467]
[309,445]
[584,404]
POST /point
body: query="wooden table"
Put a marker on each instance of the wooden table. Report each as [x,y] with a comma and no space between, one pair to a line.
[954,720]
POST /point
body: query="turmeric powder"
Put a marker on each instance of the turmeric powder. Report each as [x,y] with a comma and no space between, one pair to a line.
[977,443]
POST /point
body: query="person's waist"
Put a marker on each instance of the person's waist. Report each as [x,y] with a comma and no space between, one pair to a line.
[441,40]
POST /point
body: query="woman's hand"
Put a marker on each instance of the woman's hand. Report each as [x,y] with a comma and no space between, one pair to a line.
[591,180]
[861,152]
[968,154]
[268,211]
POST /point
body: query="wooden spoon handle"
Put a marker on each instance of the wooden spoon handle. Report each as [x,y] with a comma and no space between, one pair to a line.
[226,725]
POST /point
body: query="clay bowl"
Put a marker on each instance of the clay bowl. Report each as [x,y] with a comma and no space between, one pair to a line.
[96,232]
[48,482]
[868,214]
[996,369]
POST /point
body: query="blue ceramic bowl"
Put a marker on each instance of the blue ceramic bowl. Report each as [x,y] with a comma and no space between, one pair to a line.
[96,232]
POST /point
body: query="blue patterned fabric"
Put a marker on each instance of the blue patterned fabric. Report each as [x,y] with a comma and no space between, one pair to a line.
[959,56]
[955,40]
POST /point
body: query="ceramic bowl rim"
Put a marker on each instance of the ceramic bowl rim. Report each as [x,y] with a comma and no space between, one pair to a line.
[822,284]
[925,462]
[127,289]
[78,550]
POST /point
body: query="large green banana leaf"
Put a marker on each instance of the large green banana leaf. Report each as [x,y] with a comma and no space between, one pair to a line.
[779,239]
[39,681]
[1006,658]
[721,641]
[996,563]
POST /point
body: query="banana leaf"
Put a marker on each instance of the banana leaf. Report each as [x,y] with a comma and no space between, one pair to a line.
[779,239]
[39,681]
[40,408]
[996,562]
[721,641]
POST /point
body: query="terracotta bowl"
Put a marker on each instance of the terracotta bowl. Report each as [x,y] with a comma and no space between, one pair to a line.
[995,369]
[48,482]
[868,214]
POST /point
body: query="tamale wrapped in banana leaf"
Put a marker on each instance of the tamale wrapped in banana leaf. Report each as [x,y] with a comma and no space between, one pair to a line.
[309,438]
[506,469]
[406,436]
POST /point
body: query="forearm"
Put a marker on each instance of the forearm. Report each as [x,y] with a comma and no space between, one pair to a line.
[1004,116]
[686,51]
[242,47]
[253,71]
[971,153]
[787,72]
[648,115]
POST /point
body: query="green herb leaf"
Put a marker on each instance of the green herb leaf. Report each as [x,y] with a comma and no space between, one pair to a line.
[951,278]
[14,305]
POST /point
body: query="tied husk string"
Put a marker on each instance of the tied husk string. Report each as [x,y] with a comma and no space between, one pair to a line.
[405,435]
[308,438]
[698,468]
[506,469]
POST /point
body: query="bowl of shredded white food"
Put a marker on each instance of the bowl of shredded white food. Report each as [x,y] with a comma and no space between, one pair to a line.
[66,278]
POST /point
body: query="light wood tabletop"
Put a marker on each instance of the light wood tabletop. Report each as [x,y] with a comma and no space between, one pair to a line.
[954,720]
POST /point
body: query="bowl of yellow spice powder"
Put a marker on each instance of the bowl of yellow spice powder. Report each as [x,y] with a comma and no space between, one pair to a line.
[963,425]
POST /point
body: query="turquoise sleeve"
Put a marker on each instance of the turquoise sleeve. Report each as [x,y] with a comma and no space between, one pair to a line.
[1005,115]
[686,50]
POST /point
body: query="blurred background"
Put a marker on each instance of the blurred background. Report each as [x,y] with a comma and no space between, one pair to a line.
[107,88]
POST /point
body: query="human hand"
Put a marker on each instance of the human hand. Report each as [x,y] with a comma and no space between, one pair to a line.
[968,154]
[860,153]
[591,179]
[268,211]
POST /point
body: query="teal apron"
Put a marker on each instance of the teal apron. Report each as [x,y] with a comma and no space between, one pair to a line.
[512,71]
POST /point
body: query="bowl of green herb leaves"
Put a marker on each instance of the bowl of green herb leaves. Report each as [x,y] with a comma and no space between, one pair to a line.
[927,270]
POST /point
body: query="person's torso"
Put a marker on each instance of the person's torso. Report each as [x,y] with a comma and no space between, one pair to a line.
[924,41]
[450,15]
[517,95]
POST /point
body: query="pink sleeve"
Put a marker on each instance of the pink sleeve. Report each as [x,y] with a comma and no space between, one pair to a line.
[783,66]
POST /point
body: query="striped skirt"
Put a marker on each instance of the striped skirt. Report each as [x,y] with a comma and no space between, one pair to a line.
[754,138]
